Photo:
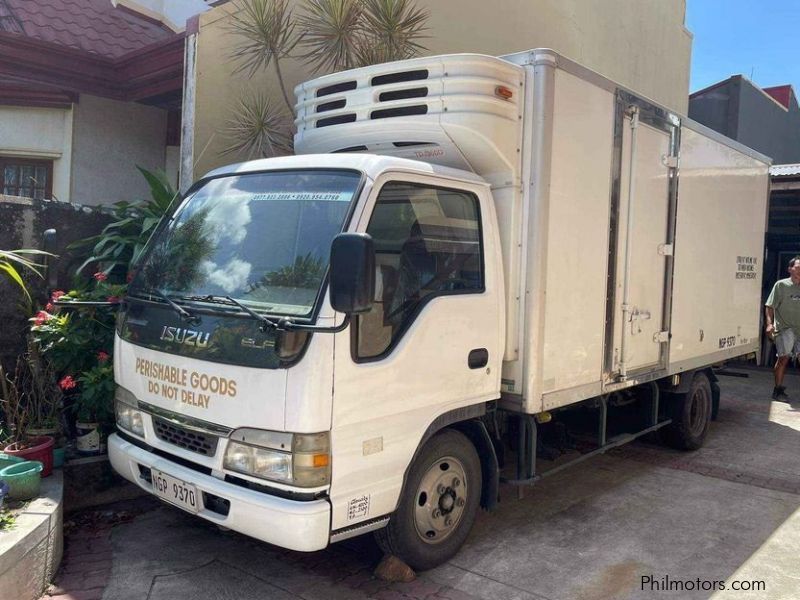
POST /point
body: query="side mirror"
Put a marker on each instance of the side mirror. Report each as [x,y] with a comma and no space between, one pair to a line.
[352,273]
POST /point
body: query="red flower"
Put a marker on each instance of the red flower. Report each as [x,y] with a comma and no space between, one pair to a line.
[103,356]
[100,276]
[114,299]
[55,296]
[67,383]
[49,307]
[41,318]
[130,276]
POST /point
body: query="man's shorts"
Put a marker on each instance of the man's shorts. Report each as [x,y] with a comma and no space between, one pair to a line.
[787,343]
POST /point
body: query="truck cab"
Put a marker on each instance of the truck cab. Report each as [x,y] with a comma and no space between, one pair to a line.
[292,434]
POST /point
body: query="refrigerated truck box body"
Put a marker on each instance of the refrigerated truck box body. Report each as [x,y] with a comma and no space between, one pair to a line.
[632,237]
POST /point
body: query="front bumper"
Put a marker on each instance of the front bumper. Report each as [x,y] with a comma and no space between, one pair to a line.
[296,525]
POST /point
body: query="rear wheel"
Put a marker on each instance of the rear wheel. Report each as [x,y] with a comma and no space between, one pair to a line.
[438,504]
[691,415]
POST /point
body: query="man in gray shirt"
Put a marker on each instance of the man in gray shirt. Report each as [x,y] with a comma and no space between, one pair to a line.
[783,323]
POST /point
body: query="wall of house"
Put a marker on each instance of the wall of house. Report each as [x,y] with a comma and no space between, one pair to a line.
[644,45]
[715,107]
[110,138]
[744,112]
[39,133]
[765,125]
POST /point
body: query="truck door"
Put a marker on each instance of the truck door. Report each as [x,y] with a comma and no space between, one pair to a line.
[432,343]
[643,204]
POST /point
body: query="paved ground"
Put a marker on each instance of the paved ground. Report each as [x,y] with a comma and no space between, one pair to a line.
[727,512]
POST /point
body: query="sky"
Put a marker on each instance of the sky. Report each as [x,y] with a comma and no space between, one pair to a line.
[759,39]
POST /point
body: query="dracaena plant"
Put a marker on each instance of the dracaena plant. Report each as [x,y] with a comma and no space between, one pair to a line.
[328,36]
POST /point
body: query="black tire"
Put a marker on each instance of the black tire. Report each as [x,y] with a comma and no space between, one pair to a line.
[691,415]
[414,533]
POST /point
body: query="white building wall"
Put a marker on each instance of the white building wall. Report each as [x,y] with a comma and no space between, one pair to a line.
[110,138]
[40,133]
[172,13]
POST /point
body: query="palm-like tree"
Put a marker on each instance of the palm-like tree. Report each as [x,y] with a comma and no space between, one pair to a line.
[333,35]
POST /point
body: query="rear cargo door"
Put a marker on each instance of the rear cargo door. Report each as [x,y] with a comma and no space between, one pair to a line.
[642,224]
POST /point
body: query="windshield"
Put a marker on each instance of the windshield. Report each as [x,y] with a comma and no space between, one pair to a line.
[262,238]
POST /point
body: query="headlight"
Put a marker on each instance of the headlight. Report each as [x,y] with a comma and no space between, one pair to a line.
[299,459]
[128,416]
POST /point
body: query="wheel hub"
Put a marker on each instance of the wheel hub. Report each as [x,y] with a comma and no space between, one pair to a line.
[441,497]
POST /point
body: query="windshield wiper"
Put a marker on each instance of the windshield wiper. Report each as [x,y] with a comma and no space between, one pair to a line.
[184,314]
[283,324]
[266,322]
[212,299]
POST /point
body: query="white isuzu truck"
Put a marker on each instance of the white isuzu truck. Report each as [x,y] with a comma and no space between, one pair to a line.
[475,270]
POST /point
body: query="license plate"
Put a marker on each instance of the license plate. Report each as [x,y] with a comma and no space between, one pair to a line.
[175,491]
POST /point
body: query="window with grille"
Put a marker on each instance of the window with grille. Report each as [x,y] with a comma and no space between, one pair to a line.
[26,178]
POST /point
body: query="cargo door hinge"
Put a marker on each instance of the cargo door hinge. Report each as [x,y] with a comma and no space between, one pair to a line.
[665,249]
[661,337]
[669,161]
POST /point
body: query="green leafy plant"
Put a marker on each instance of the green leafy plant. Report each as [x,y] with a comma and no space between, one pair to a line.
[93,404]
[76,342]
[259,128]
[7,519]
[266,31]
[331,34]
[121,242]
[70,339]
[13,262]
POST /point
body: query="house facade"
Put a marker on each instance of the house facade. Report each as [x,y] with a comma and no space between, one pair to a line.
[89,89]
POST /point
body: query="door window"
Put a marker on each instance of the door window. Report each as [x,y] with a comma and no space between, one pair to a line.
[427,244]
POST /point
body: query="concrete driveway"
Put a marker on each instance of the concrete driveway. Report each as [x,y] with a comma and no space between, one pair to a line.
[687,521]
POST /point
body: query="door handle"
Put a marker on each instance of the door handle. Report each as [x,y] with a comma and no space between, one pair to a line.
[478,358]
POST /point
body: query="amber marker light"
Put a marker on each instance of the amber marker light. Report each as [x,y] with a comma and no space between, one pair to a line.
[321,460]
[503,92]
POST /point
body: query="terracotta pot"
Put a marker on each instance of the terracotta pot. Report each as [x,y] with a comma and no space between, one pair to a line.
[38,448]
[40,431]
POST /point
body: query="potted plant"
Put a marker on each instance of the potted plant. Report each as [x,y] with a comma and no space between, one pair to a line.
[17,409]
[46,402]
[93,406]
[75,343]
[37,378]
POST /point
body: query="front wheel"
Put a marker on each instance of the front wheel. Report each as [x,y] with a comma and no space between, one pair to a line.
[438,504]
[691,415]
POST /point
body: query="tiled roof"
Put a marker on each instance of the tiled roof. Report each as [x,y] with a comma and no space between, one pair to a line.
[94,26]
[784,170]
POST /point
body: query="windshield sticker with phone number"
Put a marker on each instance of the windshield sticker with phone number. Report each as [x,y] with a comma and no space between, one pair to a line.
[302,197]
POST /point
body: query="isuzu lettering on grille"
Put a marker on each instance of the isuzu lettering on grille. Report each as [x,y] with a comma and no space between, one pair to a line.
[188,337]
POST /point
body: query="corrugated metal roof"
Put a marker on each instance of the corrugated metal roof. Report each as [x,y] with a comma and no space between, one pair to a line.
[784,170]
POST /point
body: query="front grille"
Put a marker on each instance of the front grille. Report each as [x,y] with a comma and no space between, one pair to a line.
[188,439]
